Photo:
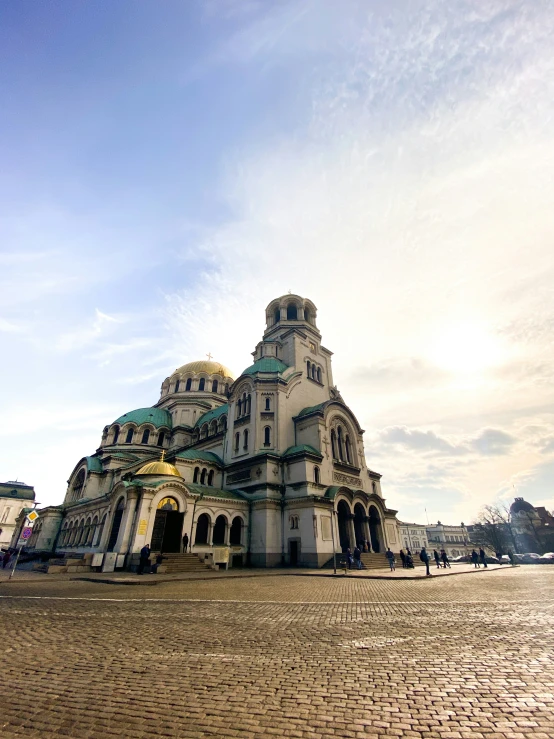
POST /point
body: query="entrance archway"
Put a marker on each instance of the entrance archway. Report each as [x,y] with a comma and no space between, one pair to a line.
[202,529]
[236,531]
[168,526]
[220,527]
[116,524]
[343,515]
[359,519]
[375,529]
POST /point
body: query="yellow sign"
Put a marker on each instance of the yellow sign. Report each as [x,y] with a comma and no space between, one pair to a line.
[221,555]
[143,524]
[32,516]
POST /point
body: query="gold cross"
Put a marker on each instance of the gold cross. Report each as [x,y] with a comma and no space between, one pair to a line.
[163,455]
[209,356]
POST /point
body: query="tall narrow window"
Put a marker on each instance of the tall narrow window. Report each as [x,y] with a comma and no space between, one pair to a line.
[267,436]
[313,371]
[177,386]
[129,437]
[115,435]
[211,477]
[203,477]
[309,369]
[319,374]
[214,386]
[145,436]
[239,407]
[227,388]
[201,384]
[189,384]
[246,438]
[161,438]
[316,475]
[248,404]
[348,450]
[196,473]
[277,315]
[340,443]
[292,313]
[333,444]
[237,441]
[267,404]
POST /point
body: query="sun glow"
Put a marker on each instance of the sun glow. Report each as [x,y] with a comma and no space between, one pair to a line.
[465,348]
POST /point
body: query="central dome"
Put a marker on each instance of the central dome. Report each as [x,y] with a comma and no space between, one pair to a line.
[210,368]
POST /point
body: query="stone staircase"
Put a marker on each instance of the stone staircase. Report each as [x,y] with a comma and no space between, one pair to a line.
[371,561]
[173,563]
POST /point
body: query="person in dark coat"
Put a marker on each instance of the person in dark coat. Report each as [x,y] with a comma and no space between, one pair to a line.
[475,558]
[144,559]
[437,558]
[358,557]
[403,558]
[390,556]
[159,559]
[349,558]
[483,557]
[424,557]
[444,557]
[185,543]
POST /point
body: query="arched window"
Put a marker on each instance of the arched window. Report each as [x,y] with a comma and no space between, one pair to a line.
[246,438]
[214,386]
[220,529]
[203,477]
[227,388]
[319,374]
[307,315]
[374,487]
[129,437]
[239,406]
[292,313]
[248,404]
[202,529]
[267,436]
[78,485]
[277,315]
[101,529]
[211,478]
[237,441]
[201,384]
[188,384]
[236,532]
[333,444]
[309,369]
[196,473]
[161,438]
[177,386]
[145,436]
[316,475]
[115,434]
[267,404]
[348,450]
[340,441]
[313,371]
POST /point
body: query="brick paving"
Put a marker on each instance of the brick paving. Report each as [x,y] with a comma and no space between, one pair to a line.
[307,657]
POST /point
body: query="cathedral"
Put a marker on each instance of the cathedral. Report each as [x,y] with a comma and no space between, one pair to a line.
[264,469]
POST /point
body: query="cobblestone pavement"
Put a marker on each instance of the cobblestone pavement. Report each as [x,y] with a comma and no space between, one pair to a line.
[281,656]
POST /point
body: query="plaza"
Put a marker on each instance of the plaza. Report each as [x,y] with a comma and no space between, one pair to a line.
[280,655]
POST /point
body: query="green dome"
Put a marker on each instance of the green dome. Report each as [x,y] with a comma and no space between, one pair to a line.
[266,364]
[156,416]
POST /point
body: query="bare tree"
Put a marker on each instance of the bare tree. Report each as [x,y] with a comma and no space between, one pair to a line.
[494,529]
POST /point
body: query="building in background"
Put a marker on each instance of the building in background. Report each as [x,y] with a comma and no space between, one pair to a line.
[532,528]
[453,539]
[412,536]
[14,497]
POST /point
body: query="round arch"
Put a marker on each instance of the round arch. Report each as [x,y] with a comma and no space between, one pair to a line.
[376,529]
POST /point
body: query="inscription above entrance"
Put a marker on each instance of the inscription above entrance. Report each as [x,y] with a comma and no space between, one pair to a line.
[346,479]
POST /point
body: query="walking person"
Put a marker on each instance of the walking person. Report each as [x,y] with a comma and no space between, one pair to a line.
[390,556]
[444,557]
[424,557]
[6,558]
[475,558]
[358,557]
[483,557]
[437,558]
[185,543]
[144,559]
[403,558]
[511,558]
[349,558]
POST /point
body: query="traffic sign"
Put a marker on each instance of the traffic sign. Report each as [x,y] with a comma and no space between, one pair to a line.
[33,515]
[26,533]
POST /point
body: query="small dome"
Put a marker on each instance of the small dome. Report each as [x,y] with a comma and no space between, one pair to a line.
[159,467]
[210,368]
[520,505]
[268,365]
[156,416]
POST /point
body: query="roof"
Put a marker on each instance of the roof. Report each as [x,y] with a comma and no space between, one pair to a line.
[156,416]
[208,368]
[270,365]
[332,491]
[159,468]
[312,409]
[519,505]
[302,449]
[221,410]
[201,455]
[94,464]
[208,492]
[16,490]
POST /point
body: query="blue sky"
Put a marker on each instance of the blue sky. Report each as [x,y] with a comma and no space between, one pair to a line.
[169,168]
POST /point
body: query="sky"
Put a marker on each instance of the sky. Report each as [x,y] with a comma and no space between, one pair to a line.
[167,169]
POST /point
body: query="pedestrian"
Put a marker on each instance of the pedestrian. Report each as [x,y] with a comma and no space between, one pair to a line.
[185,543]
[424,557]
[349,558]
[358,557]
[511,557]
[6,558]
[475,558]
[444,557]
[144,559]
[403,558]
[437,558]
[409,561]
[483,557]
[159,559]
[390,556]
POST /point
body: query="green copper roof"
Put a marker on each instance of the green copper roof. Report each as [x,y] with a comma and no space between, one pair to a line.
[332,491]
[156,416]
[311,409]
[94,464]
[209,492]
[302,449]
[266,364]
[201,455]
[221,410]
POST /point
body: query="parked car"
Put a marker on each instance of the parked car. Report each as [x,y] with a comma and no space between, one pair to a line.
[547,558]
[461,558]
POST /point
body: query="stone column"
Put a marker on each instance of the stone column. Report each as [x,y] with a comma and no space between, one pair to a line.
[127,521]
[143,514]
[351,531]
[367,533]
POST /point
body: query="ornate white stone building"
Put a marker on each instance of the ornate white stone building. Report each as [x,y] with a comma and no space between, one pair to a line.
[270,464]
[15,497]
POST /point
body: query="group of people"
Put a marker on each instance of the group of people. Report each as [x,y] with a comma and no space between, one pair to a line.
[479,559]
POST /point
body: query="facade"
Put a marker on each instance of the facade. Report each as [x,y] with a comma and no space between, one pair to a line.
[531,528]
[453,539]
[412,536]
[14,498]
[269,464]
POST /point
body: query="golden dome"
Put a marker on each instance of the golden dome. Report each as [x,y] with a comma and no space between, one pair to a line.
[159,467]
[210,368]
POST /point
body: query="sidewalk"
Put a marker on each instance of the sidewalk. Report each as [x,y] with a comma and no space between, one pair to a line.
[129,578]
